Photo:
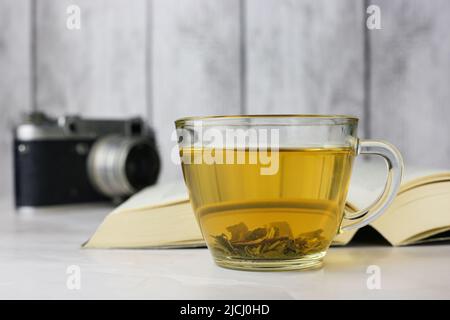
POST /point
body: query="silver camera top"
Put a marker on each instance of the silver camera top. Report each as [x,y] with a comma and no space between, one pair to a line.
[39,126]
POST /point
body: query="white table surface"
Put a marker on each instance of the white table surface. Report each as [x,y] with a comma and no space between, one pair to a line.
[36,248]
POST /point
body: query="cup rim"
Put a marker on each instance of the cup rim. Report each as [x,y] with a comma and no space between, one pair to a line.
[310,117]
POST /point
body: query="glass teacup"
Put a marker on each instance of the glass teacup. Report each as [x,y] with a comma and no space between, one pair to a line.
[269,191]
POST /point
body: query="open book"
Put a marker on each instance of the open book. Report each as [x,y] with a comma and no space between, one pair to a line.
[161,216]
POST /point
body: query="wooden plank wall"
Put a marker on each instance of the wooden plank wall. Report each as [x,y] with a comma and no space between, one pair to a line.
[410,79]
[195,65]
[15,89]
[164,59]
[98,70]
[305,56]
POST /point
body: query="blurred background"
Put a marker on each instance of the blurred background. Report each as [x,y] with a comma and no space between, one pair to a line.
[164,59]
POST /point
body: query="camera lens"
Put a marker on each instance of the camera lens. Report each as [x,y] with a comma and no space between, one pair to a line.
[121,166]
[137,165]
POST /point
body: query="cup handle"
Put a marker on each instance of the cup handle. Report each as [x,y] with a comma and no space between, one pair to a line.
[394,163]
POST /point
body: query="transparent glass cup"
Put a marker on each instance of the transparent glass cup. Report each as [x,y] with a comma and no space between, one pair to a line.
[269,191]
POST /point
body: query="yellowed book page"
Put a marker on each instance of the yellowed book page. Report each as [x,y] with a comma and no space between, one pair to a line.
[366,185]
[161,227]
[425,236]
[417,211]
[369,177]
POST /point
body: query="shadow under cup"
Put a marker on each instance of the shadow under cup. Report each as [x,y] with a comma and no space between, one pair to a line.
[268,192]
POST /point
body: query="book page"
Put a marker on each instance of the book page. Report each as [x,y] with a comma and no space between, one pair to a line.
[416,214]
[410,212]
[369,177]
[163,226]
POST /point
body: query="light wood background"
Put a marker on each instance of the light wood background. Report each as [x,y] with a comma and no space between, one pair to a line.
[164,59]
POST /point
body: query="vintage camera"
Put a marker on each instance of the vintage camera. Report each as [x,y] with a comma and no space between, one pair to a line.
[73,160]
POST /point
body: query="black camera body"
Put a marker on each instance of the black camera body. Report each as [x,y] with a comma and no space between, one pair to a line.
[75,160]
